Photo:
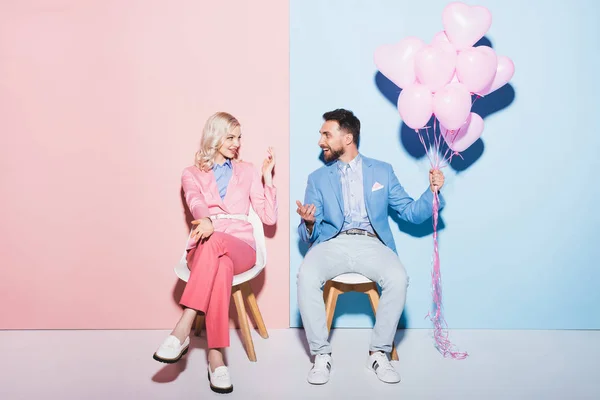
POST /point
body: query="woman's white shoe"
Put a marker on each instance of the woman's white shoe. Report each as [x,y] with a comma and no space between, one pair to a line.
[171,350]
[220,381]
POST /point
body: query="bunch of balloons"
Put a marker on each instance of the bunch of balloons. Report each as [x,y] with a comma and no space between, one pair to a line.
[439,78]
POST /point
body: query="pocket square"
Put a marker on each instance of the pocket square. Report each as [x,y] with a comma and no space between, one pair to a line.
[376,186]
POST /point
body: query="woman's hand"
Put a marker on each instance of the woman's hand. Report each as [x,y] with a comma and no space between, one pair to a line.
[204,228]
[268,166]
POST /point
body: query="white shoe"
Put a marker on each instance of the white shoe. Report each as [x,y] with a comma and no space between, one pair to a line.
[319,374]
[220,381]
[171,350]
[379,363]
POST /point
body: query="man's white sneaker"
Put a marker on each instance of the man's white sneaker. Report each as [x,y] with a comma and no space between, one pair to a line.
[171,350]
[379,363]
[220,381]
[319,374]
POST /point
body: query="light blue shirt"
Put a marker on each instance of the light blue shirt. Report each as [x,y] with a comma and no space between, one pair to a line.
[355,211]
[223,174]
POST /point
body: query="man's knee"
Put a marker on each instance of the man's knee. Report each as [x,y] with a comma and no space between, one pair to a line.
[395,278]
[308,278]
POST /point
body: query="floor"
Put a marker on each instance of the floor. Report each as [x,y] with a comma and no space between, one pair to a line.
[118,365]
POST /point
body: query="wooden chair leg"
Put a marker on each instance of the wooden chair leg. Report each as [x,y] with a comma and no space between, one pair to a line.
[332,292]
[326,290]
[238,299]
[254,310]
[374,298]
[199,325]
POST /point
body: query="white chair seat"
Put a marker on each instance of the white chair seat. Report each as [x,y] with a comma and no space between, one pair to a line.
[351,278]
[246,276]
[182,271]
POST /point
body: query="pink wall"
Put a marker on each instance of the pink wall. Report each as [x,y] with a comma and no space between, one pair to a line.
[101,107]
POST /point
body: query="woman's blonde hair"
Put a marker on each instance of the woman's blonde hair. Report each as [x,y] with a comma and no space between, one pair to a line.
[215,130]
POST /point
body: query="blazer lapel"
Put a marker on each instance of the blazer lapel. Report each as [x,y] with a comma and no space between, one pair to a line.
[233,181]
[367,170]
[336,184]
[209,182]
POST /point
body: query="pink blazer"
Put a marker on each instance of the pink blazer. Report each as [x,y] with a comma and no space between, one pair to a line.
[245,187]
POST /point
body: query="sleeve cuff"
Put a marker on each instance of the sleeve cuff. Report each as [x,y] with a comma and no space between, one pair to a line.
[428,196]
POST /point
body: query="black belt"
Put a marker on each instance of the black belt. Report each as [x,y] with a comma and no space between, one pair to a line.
[355,231]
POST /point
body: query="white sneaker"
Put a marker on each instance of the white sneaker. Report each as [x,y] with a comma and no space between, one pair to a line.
[319,374]
[220,381]
[379,363]
[171,350]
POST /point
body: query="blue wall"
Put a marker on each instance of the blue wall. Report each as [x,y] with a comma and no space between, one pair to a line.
[519,240]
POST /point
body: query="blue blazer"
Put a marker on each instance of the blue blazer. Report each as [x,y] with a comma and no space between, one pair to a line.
[381,190]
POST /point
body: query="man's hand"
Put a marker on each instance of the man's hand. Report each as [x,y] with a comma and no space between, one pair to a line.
[436,180]
[204,228]
[307,213]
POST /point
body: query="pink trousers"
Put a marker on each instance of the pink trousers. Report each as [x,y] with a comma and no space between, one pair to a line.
[212,267]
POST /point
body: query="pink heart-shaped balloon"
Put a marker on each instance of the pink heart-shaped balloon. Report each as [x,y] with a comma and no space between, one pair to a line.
[461,139]
[397,61]
[476,67]
[441,40]
[415,105]
[452,105]
[440,37]
[465,25]
[434,67]
[504,73]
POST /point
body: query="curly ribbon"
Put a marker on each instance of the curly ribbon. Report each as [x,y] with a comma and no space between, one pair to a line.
[440,327]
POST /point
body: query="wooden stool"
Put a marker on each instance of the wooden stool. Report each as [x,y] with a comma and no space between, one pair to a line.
[240,293]
[351,283]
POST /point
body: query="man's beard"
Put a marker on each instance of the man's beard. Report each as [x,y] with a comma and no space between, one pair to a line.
[333,155]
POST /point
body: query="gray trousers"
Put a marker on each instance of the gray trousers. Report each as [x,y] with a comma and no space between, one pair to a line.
[351,253]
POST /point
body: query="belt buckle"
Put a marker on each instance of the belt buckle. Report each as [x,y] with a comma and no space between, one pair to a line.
[364,233]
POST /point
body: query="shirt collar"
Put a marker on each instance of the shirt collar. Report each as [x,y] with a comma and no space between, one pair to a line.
[226,163]
[354,164]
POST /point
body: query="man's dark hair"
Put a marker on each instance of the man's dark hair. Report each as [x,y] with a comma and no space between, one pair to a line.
[347,121]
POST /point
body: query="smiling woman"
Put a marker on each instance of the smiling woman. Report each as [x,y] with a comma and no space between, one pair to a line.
[220,140]
[219,192]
